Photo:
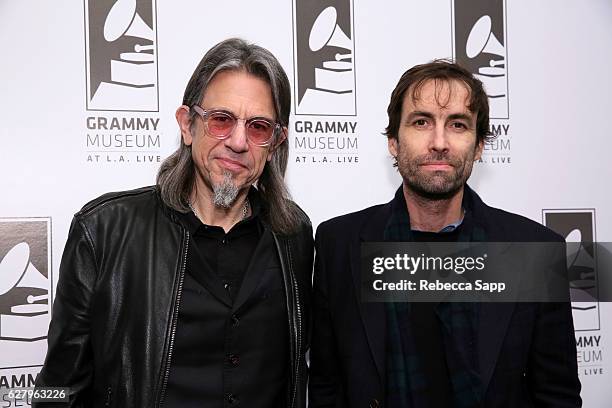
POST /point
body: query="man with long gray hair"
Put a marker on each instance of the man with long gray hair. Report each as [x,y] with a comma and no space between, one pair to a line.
[194,292]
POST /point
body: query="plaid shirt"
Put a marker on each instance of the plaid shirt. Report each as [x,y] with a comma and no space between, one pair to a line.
[406,380]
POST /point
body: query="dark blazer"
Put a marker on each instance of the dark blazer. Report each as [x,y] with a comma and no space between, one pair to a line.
[526,351]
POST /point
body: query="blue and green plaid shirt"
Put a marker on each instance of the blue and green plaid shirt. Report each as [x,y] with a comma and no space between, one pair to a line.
[406,381]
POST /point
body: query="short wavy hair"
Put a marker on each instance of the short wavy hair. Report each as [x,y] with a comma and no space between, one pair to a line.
[439,70]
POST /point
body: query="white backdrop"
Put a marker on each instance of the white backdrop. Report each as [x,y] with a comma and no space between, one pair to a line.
[550,71]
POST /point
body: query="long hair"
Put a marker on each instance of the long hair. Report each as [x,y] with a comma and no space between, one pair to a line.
[176,175]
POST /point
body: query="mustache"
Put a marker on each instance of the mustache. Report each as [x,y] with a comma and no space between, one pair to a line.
[233,157]
[438,157]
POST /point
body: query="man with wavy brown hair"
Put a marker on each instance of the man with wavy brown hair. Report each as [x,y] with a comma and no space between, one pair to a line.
[434,354]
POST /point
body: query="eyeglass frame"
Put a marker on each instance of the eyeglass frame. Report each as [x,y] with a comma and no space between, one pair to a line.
[204,113]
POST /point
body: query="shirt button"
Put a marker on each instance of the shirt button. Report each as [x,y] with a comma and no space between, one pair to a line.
[226,286]
[234,359]
[224,241]
[235,320]
[231,398]
[374,403]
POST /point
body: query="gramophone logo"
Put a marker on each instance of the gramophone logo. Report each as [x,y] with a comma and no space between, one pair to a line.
[324,50]
[25,290]
[578,228]
[480,46]
[121,55]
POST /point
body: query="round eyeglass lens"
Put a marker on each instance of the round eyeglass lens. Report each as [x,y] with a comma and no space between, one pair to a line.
[220,124]
[259,131]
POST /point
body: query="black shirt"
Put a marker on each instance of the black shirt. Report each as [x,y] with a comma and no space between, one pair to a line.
[232,344]
[226,254]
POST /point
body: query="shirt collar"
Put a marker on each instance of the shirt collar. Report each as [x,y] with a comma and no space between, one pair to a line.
[399,204]
[193,223]
[453,225]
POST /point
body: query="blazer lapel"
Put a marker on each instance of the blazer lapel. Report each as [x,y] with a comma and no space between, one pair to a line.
[372,314]
[494,316]
[493,325]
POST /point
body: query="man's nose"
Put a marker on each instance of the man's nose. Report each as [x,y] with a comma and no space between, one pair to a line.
[439,139]
[237,140]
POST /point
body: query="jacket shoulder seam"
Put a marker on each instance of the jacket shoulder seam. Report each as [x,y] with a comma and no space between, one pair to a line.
[105,199]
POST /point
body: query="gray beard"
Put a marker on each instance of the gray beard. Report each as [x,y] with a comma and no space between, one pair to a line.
[225,193]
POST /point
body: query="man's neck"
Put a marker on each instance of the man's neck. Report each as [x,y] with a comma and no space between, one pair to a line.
[210,214]
[432,215]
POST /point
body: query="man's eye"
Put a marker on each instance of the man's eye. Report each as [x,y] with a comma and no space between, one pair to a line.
[458,125]
[420,122]
[260,125]
[220,118]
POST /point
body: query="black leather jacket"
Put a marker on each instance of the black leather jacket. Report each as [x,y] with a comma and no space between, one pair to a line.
[115,313]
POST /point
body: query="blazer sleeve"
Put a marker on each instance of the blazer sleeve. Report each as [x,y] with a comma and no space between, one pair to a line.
[69,360]
[325,385]
[552,370]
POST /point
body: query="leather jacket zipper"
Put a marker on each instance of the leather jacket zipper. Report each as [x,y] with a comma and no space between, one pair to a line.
[294,321]
[109,395]
[174,322]
[298,326]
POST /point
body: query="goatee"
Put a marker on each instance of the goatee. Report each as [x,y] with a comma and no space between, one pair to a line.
[225,193]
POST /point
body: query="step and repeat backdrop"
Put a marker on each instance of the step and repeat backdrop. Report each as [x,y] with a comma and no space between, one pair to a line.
[88,91]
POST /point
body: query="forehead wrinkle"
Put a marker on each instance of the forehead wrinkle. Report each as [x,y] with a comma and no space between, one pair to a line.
[444,90]
[241,93]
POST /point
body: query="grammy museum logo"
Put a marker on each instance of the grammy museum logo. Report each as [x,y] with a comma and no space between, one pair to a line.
[120,38]
[25,296]
[577,226]
[325,127]
[480,45]
[122,77]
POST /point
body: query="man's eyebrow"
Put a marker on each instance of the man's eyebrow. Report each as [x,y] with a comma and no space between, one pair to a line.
[465,116]
[415,114]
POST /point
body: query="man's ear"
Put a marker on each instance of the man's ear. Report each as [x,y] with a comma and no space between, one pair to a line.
[479,149]
[282,137]
[392,145]
[183,119]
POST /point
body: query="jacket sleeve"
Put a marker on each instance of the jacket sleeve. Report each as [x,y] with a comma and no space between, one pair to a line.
[69,360]
[552,371]
[325,386]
